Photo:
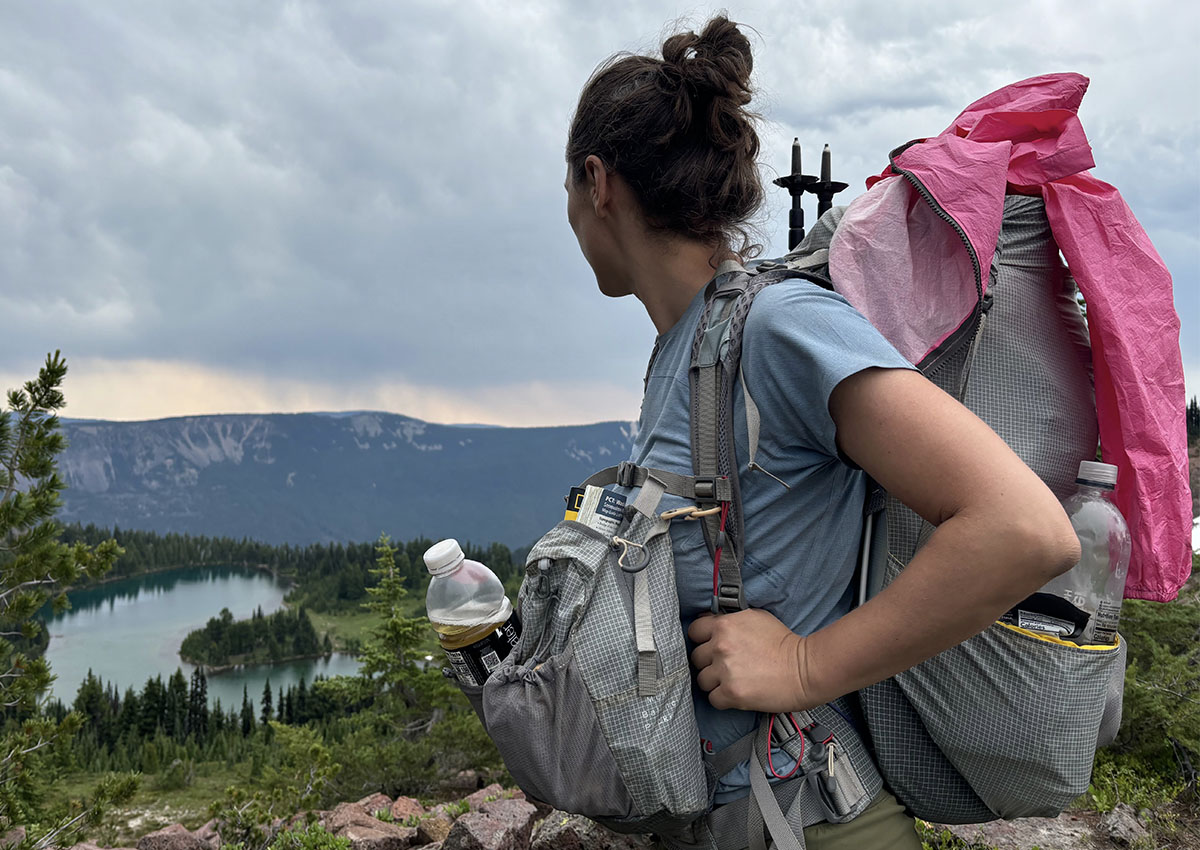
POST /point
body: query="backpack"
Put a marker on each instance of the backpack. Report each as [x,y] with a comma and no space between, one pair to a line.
[1007,723]
[592,709]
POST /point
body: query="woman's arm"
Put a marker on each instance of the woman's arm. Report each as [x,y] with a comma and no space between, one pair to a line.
[1001,534]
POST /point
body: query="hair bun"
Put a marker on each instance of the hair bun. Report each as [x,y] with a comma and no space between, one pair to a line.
[716,63]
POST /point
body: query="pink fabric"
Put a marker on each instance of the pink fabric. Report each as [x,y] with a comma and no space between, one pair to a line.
[1026,138]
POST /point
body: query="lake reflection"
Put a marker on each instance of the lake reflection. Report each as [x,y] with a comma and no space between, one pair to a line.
[130,630]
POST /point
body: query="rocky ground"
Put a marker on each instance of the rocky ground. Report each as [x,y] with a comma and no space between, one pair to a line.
[496,818]
[493,818]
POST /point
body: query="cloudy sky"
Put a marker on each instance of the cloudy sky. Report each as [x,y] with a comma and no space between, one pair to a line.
[224,206]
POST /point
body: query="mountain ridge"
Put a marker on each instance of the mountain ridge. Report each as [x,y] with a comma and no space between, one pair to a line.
[330,476]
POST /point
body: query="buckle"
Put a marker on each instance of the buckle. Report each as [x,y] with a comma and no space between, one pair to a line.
[728,598]
[706,489]
[627,474]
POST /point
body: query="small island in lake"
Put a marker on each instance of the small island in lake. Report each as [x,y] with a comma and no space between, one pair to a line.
[282,636]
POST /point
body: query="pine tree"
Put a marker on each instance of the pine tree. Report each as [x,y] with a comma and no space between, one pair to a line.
[1193,420]
[197,717]
[33,564]
[247,714]
[266,703]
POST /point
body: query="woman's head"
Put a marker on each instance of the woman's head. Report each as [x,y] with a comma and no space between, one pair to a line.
[677,131]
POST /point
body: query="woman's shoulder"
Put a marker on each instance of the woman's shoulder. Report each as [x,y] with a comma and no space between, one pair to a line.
[797,308]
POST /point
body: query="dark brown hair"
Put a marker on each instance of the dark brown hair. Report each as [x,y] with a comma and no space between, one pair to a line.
[678,131]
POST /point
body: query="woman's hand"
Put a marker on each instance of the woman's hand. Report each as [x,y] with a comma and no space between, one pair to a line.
[750,660]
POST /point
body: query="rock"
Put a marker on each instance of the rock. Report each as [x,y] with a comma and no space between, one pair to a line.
[1123,827]
[375,803]
[561,831]
[1068,831]
[82,845]
[406,807]
[434,828]
[498,825]
[173,837]
[495,791]
[208,834]
[385,836]
[345,814]
[14,836]
[464,780]
[543,809]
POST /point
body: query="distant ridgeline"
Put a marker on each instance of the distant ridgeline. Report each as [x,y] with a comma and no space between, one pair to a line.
[327,577]
[318,477]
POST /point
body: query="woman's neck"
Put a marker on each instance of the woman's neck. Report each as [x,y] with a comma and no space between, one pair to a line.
[666,278]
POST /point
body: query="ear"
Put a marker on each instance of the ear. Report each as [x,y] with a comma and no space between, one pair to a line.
[599,184]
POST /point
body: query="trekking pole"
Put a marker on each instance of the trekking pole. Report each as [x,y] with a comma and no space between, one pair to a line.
[825,188]
[796,184]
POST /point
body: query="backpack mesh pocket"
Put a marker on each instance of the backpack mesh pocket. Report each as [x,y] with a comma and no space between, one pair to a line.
[565,708]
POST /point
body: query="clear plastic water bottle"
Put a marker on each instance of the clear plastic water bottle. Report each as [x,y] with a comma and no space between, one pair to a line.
[1083,605]
[475,622]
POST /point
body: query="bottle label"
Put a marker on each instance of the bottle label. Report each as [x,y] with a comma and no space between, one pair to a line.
[472,664]
[1035,621]
[1106,622]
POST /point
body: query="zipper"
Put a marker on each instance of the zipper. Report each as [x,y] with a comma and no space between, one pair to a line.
[950,343]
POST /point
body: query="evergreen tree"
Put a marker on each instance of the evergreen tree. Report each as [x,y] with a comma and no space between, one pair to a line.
[266,702]
[34,563]
[197,717]
[1193,420]
[247,714]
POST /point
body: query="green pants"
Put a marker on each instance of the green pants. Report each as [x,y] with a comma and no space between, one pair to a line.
[882,826]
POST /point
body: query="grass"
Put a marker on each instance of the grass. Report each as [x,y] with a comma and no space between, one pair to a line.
[348,628]
[150,808]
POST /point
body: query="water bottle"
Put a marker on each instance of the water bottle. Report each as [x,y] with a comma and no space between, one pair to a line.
[1083,605]
[475,622]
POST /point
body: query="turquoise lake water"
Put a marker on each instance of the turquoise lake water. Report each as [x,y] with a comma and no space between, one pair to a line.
[130,630]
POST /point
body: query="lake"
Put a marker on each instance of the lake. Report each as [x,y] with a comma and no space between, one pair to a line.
[128,631]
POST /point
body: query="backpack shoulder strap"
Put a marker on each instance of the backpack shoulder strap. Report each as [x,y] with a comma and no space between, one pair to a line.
[714,373]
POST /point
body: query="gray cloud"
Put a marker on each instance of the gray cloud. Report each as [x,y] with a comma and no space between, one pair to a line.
[372,191]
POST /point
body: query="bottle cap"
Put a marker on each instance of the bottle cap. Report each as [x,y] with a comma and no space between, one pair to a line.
[1097,474]
[443,556]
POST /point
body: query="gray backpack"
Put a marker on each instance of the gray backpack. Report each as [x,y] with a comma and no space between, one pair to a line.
[1007,723]
[592,709]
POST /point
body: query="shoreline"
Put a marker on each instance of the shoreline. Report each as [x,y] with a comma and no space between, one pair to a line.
[218,669]
[108,579]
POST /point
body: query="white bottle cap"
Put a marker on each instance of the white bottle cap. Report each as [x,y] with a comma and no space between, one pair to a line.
[442,557]
[1097,474]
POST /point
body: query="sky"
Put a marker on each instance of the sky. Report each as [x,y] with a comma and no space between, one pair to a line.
[221,206]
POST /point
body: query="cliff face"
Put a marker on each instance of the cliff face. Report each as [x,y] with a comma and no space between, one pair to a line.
[303,478]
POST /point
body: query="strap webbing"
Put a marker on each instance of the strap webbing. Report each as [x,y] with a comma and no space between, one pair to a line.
[647,653]
[763,807]
[627,474]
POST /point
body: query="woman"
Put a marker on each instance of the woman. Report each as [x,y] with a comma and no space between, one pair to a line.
[661,180]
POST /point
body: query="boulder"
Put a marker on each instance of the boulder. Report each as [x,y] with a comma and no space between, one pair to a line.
[1068,831]
[14,836]
[543,809]
[495,791]
[173,837]
[345,814]
[561,831]
[1123,826]
[375,803]
[406,807]
[464,780]
[384,836]
[498,825]
[208,834]
[434,829]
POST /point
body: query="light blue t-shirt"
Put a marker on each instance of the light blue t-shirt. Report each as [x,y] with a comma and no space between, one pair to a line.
[800,341]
